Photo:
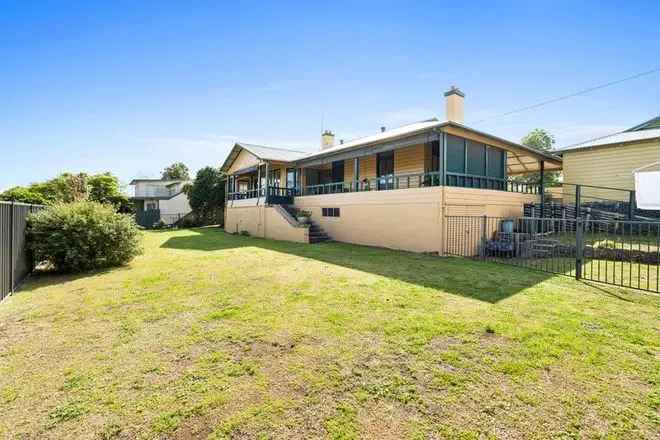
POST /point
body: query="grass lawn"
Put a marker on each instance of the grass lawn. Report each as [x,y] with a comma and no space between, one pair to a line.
[209,335]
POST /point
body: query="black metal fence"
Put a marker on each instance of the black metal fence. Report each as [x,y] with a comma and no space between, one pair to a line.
[15,261]
[590,202]
[624,253]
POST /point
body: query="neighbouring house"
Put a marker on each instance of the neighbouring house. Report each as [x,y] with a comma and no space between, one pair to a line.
[610,161]
[392,189]
[159,200]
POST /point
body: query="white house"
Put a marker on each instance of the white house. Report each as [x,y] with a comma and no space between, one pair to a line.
[158,199]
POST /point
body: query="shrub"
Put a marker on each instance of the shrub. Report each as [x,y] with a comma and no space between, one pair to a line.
[81,236]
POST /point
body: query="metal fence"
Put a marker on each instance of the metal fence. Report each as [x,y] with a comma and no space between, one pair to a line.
[619,252]
[15,261]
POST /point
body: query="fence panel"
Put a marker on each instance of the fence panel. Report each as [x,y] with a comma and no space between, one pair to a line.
[623,253]
[15,260]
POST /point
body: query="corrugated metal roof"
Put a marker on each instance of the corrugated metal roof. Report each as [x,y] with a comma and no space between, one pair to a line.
[286,155]
[650,124]
[166,181]
[615,139]
[415,128]
[272,153]
[383,136]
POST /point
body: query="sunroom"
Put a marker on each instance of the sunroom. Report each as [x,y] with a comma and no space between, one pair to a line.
[429,153]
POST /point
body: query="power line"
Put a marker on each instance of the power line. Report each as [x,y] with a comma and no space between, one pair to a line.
[562,98]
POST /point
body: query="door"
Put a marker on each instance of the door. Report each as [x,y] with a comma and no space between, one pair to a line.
[385,169]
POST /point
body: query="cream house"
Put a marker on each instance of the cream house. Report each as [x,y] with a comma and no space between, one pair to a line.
[392,189]
[609,161]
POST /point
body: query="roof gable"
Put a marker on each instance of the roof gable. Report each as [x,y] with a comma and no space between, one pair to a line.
[648,125]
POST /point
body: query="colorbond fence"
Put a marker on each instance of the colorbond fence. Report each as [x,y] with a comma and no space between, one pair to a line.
[15,261]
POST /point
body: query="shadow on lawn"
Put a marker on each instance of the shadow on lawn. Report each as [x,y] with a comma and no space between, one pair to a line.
[481,281]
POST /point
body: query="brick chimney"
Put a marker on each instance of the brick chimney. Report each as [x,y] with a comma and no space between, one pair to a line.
[454,105]
[327,139]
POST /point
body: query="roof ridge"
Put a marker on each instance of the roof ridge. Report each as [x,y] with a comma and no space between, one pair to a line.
[271,148]
[641,126]
[592,139]
[433,119]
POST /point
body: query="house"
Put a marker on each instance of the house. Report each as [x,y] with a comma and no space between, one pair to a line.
[391,189]
[609,161]
[159,200]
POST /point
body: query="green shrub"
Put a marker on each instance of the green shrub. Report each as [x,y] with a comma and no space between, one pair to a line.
[81,236]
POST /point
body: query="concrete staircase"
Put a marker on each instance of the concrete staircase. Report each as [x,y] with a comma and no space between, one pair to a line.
[544,248]
[316,232]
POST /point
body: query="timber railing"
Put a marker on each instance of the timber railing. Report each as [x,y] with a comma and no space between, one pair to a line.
[15,260]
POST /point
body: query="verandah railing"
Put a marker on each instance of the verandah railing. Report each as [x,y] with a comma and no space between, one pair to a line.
[420,180]
[275,194]
[391,182]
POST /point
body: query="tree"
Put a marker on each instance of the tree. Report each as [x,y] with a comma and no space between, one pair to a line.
[23,195]
[69,188]
[176,171]
[541,140]
[105,188]
[207,194]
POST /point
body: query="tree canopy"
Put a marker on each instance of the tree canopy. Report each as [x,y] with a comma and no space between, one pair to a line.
[541,140]
[176,171]
[69,188]
[207,193]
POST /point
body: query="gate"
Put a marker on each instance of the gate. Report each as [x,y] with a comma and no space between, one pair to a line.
[624,253]
[147,218]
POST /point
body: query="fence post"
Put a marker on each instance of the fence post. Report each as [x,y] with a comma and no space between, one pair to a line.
[483,236]
[578,195]
[12,252]
[631,205]
[579,247]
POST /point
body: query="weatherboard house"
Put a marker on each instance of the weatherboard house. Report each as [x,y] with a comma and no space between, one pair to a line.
[611,161]
[393,189]
[159,200]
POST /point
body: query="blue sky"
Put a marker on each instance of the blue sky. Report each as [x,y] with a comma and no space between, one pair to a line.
[130,88]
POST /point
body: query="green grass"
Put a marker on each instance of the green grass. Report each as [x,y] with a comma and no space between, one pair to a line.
[209,335]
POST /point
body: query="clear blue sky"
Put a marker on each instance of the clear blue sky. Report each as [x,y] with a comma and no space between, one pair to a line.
[130,87]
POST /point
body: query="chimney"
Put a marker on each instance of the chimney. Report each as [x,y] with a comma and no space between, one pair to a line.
[327,139]
[454,104]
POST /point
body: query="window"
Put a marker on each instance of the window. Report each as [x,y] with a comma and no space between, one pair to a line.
[455,154]
[496,162]
[435,156]
[291,177]
[476,158]
[274,178]
[338,171]
[330,212]
[151,204]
